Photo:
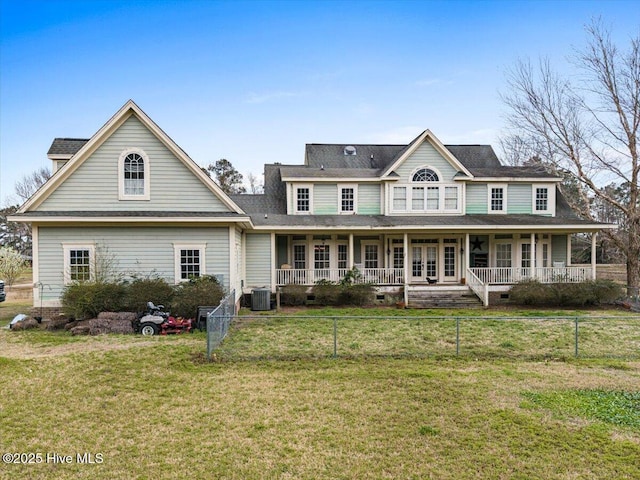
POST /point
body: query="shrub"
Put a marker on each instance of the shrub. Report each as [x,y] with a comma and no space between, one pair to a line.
[532,292]
[205,290]
[293,295]
[326,293]
[143,290]
[359,294]
[87,299]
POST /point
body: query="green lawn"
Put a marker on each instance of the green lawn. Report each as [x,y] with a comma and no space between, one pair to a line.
[153,408]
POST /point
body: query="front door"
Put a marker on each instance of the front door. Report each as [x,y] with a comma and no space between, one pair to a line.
[424,263]
[434,260]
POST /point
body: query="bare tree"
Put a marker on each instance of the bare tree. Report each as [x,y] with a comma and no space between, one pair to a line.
[588,127]
[32,182]
[254,184]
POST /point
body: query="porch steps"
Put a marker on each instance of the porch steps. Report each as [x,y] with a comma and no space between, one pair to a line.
[442,296]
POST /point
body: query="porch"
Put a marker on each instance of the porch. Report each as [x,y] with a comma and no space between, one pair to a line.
[395,276]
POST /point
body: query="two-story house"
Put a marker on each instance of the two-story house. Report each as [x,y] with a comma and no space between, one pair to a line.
[409,217]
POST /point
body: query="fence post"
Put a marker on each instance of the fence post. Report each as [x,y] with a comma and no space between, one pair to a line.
[576,335]
[457,336]
[335,337]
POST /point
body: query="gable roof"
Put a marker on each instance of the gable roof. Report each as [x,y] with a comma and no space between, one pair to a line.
[426,136]
[63,148]
[66,146]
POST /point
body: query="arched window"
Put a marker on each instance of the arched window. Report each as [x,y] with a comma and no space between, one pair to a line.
[133,173]
[425,175]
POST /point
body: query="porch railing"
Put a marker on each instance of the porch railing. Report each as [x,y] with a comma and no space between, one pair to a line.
[509,275]
[379,276]
[480,288]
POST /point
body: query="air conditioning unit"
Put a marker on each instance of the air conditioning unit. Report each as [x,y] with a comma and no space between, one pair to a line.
[261,299]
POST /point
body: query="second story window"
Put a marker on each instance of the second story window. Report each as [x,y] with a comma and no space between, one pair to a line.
[347,199]
[542,199]
[497,199]
[303,199]
[425,175]
[133,175]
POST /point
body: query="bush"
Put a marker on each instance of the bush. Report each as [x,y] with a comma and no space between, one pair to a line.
[326,293]
[205,290]
[598,292]
[358,295]
[293,295]
[88,299]
[143,290]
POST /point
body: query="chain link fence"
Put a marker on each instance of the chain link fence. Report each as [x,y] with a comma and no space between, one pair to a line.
[218,322]
[303,336]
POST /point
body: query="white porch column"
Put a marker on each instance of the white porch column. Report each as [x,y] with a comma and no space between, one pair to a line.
[568,250]
[593,255]
[273,262]
[405,244]
[467,253]
[533,255]
[351,251]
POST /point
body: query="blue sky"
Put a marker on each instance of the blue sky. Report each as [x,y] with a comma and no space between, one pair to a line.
[254,81]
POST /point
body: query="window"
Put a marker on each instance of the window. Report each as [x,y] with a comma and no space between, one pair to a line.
[133,175]
[399,198]
[542,199]
[347,199]
[450,198]
[433,198]
[417,198]
[300,257]
[78,263]
[189,261]
[526,255]
[342,256]
[503,255]
[497,199]
[303,199]
[370,255]
[398,257]
[425,175]
[321,257]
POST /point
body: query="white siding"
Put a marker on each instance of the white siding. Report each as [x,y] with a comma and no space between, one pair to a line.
[259,255]
[142,251]
[426,156]
[94,185]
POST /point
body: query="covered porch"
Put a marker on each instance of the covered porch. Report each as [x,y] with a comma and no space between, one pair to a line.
[428,258]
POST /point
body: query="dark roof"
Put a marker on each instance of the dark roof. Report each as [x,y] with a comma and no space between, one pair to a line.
[66,146]
[475,156]
[335,173]
[382,221]
[332,155]
[124,214]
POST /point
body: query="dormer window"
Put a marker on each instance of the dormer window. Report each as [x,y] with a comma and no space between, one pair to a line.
[133,175]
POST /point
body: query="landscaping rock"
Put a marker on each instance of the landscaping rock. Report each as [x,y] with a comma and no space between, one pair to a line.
[26,324]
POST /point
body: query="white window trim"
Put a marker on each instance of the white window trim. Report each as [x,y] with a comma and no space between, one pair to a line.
[295,198]
[426,167]
[551,199]
[67,247]
[147,191]
[341,187]
[441,198]
[176,259]
[505,189]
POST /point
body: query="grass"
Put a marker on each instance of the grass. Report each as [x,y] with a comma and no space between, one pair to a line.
[155,409]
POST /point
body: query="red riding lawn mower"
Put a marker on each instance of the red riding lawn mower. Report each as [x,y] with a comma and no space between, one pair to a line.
[155,321]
